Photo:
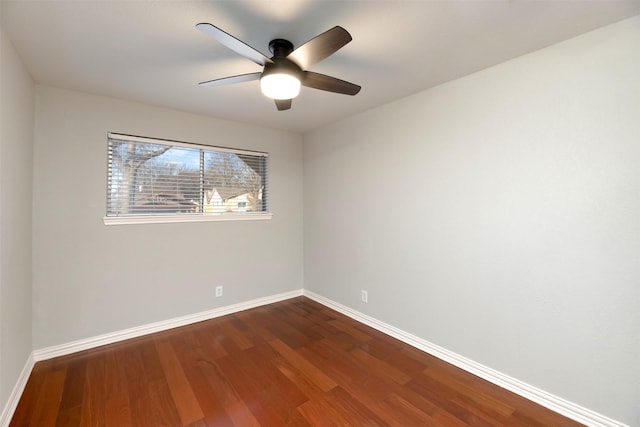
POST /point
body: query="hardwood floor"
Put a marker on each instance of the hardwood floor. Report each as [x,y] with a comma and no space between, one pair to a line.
[293,363]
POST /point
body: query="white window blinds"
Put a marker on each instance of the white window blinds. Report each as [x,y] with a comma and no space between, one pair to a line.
[158,177]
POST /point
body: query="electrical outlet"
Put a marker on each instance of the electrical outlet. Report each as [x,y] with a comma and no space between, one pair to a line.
[218,291]
[364,296]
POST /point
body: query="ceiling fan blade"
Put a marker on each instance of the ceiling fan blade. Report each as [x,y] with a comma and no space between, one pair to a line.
[231,80]
[233,43]
[328,83]
[319,47]
[283,104]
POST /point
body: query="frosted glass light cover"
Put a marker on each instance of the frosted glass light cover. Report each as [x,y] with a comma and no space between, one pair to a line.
[280,86]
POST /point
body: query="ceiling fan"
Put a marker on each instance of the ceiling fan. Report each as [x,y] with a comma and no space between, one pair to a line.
[287,69]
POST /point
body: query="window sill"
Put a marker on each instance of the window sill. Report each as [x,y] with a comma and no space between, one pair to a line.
[160,219]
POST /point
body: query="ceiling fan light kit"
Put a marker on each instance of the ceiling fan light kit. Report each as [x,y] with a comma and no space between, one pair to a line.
[280,86]
[284,73]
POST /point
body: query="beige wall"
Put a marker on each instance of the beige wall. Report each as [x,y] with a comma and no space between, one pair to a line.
[497,216]
[91,279]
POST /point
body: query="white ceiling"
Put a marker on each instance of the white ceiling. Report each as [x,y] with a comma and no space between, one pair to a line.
[149,51]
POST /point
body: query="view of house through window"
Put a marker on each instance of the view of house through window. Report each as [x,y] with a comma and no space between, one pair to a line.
[158,177]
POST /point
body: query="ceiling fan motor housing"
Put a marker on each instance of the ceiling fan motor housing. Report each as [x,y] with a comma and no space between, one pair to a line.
[281,65]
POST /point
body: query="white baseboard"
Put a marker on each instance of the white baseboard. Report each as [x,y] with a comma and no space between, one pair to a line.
[555,403]
[110,338]
[14,397]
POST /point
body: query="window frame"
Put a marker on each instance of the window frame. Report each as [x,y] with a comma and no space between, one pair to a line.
[183,217]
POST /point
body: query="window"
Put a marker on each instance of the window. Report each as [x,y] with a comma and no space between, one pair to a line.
[155,180]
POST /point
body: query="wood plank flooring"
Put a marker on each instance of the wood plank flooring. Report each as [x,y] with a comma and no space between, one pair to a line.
[293,363]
